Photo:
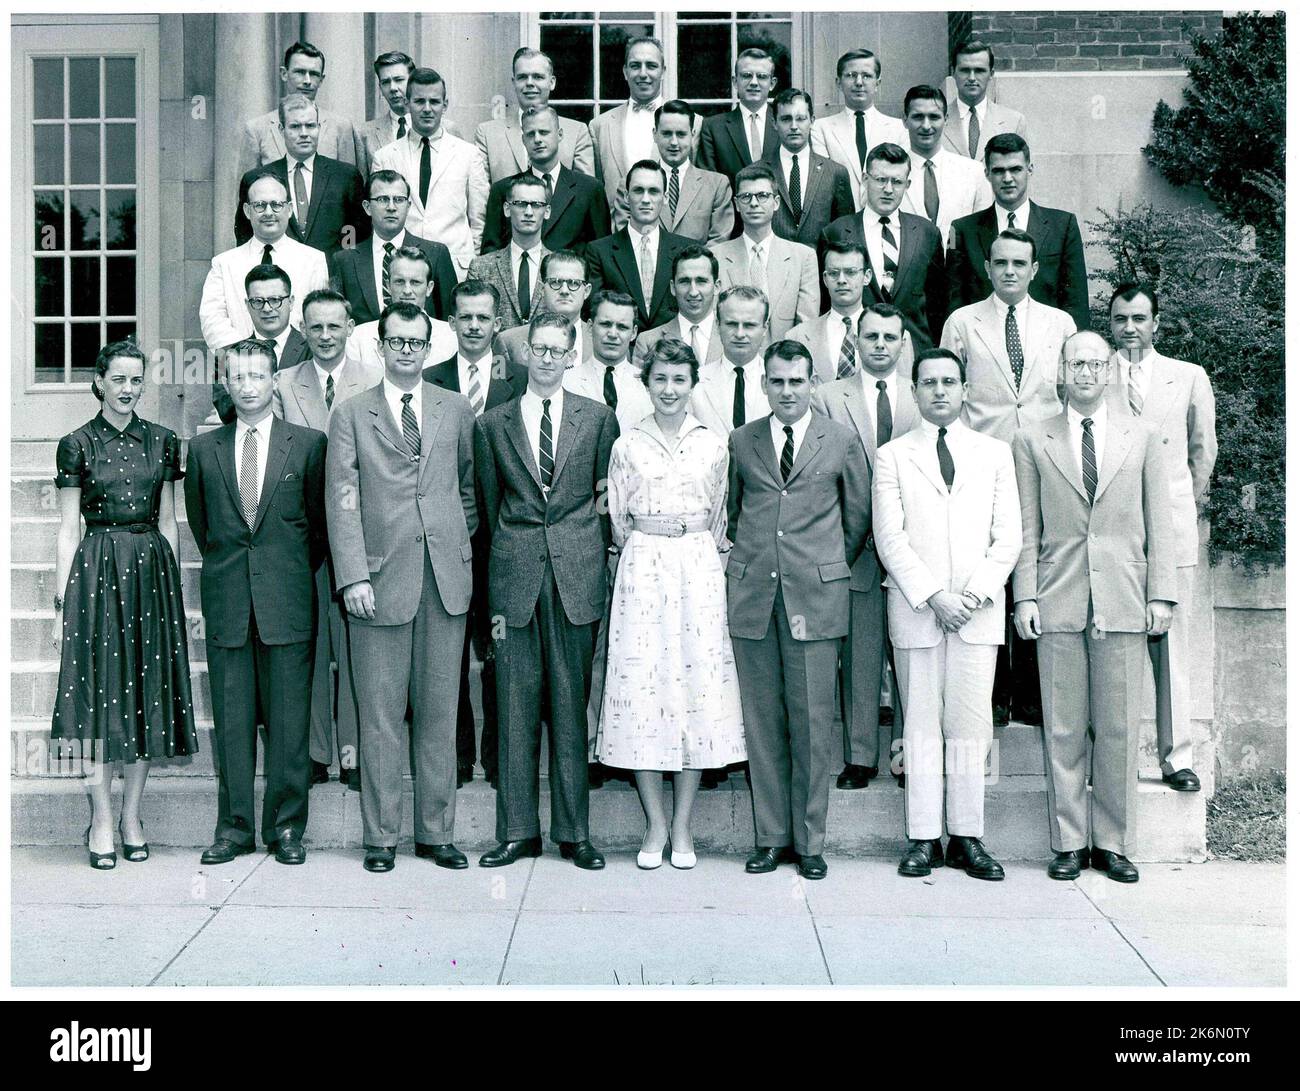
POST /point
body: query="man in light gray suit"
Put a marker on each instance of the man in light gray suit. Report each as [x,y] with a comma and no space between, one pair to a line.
[799,509]
[307,394]
[972,117]
[401,507]
[1176,398]
[392,70]
[697,202]
[1095,579]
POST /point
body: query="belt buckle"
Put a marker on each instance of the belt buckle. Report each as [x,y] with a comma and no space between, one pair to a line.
[681,528]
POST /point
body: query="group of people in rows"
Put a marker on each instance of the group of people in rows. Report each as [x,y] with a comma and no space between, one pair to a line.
[826,398]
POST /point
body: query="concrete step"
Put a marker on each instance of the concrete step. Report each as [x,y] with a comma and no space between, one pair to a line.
[33,455]
[32,540]
[32,691]
[31,586]
[29,632]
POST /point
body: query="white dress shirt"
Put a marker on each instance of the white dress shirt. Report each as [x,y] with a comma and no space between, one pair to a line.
[1021,320]
[760,115]
[308,173]
[1075,421]
[377,259]
[587,379]
[1022,215]
[963,113]
[553,174]
[639,131]
[483,373]
[1139,372]
[800,428]
[263,430]
[530,408]
[835,333]
[870,394]
[323,376]
[871,229]
[637,237]
[703,335]
[804,156]
[394,394]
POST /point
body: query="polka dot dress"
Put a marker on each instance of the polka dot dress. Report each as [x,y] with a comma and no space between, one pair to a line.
[124,678]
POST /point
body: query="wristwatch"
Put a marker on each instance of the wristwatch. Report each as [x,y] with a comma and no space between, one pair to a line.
[971,598]
[58,603]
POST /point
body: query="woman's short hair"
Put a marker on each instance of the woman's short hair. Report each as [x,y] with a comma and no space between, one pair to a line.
[671,350]
[114,350]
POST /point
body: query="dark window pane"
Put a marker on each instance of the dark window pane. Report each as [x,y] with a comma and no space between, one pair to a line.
[687,16]
[707,109]
[47,146]
[743,15]
[49,287]
[49,221]
[119,87]
[570,49]
[85,286]
[49,353]
[85,219]
[83,87]
[119,212]
[578,111]
[83,153]
[704,61]
[47,81]
[774,39]
[119,153]
[566,15]
[120,331]
[87,340]
[629,17]
[613,42]
[121,286]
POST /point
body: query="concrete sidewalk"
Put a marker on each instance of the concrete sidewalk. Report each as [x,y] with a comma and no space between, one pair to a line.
[545,923]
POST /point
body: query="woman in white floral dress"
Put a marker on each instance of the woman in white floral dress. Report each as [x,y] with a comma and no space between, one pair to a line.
[671,699]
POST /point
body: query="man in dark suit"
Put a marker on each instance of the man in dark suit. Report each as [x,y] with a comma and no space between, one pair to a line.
[542,463]
[905,251]
[486,382]
[578,212]
[1062,278]
[254,496]
[360,273]
[812,191]
[746,134]
[325,193]
[638,258]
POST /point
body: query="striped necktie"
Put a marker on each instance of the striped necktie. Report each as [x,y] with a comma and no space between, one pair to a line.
[388,261]
[889,250]
[475,391]
[1089,461]
[410,426]
[248,478]
[674,192]
[848,362]
[545,452]
[1134,391]
[787,452]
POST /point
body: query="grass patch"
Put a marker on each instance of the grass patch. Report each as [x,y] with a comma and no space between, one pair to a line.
[1246,819]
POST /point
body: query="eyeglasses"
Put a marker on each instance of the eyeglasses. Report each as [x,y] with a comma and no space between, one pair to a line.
[268,303]
[543,353]
[556,283]
[268,206]
[531,206]
[1095,366]
[406,344]
[887,183]
[389,202]
[754,198]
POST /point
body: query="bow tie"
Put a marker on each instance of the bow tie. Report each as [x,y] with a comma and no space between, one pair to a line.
[638,107]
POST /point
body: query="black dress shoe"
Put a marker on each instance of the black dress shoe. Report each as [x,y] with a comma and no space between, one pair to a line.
[597,774]
[885,716]
[464,774]
[507,852]
[812,867]
[352,778]
[583,854]
[856,776]
[448,855]
[921,858]
[288,848]
[1183,781]
[1030,715]
[900,779]
[320,773]
[1117,867]
[969,855]
[711,778]
[767,858]
[1068,865]
[490,775]
[1001,715]
[379,857]
[223,850]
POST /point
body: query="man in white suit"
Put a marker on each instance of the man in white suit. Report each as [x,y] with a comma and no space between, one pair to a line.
[697,202]
[730,392]
[831,337]
[942,185]
[947,527]
[392,70]
[695,287]
[449,185]
[972,117]
[302,73]
[1175,397]
[500,141]
[849,135]
[785,271]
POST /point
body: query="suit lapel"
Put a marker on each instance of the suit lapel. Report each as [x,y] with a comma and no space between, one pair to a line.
[615,129]
[855,403]
[625,259]
[1057,447]
[226,460]
[736,130]
[994,338]
[569,425]
[515,138]
[761,437]
[1119,440]
[514,427]
[906,253]
[363,258]
[320,183]
[383,421]
[350,380]
[563,195]
[441,157]
[663,274]
[691,187]
[926,462]
[817,176]
[778,269]
[908,415]
[281,442]
[311,400]
[808,449]
[431,414]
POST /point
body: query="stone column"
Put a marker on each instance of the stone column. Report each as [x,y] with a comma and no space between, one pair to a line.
[342,38]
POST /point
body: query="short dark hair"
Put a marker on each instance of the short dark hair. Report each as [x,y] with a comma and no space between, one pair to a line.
[1006,144]
[1131,289]
[974,45]
[937,354]
[472,289]
[670,350]
[250,346]
[325,295]
[845,246]
[856,55]
[408,312]
[692,252]
[888,153]
[307,50]
[789,95]
[259,273]
[114,350]
[883,310]
[614,299]
[392,57]
[645,39]
[645,164]
[414,253]
[523,178]
[550,320]
[1014,234]
[747,293]
[425,77]
[676,106]
[757,172]
[787,350]
[552,256]
[386,176]
[924,92]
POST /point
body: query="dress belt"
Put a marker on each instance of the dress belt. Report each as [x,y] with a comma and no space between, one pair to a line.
[671,526]
[122,528]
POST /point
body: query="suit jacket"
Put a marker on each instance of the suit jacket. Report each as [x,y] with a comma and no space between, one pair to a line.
[704,210]
[994,404]
[458,192]
[494,268]
[963,190]
[503,386]
[1179,404]
[1062,279]
[378,132]
[335,206]
[1118,552]
[714,395]
[299,398]
[513,343]
[223,314]
[352,274]
[835,137]
[724,142]
[387,512]
[844,401]
[930,539]
[565,528]
[611,263]
[612,161]
[824,513]
[920,284]
[295,351]
[646,341]
[579,214]
[263,142]
[792,286]
[997,119]
[813,334]
[500,145]
[827,194]
[266,572]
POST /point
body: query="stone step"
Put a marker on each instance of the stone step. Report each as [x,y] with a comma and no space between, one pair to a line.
[29,632]
[31,586]
[32,456]
[32,691]
[33,539]
[181,811]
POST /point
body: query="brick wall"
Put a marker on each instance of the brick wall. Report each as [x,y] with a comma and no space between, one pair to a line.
[1088,41]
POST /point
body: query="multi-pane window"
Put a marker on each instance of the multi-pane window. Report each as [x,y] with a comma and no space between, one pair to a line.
[84,186]
[587,48]
[708,43]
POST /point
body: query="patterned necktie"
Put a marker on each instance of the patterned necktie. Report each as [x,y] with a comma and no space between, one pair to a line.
[546,181]
[545,452]
[401,126]
[389,250]
[884,415]
[889,249]
[1134,391]
[931,192]
[696,347]
[787,453]
[796,190]
[475,391]
[300,195]
[848,362]
[946,467]
[1014,352]
[1011,221]
[1089,461]
[268,255]
[674,191]
[738,398]
[609,390]
[410,426]
[757,270]
[755,140]
[525,287]
[329,392]
[426,170]
[647,271]
[860,133]
[973,135]
[248,478]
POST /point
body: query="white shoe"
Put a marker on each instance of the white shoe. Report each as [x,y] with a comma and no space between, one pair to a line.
[648,861]
[683,861]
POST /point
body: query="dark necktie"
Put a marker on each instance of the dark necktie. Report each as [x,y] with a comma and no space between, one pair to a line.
[860,132]
[889,251]
[848,362]
[525,303]
[1089,461]
[1011,221]
[546,181]
[300,194]
[401,126]
[611,394]
[389,250]
[674,191]
[796,190]
[329,391]
[268,257]
[931,192]
[884,415]
[738,399]
[787,453]
[973,135]
[248,478]
[945,460]
[410,426]
[1014,352]
[426,170]
[545,452]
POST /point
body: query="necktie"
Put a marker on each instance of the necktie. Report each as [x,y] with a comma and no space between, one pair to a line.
[1134,393]
[248,478]
[1089,461]
[674,191]
[389,250]
[884,415]
[268,255]
[757,271]
[755,140]
[410,427]
[860,132]
[300,194]
[889,248]
[647,272]
[796,190]
[546,181]
[931,192]
[738,399]
[787,453]
[973,135]
[611,394]
[525,287]
[945,460]
[426,170]
[848,362]
[329,392]
[401,126]
[696,347]
[1011,221]
[1014,352]
[545,453]
[475,391]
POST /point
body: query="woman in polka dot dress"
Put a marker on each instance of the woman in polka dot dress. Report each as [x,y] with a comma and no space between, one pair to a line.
[119,626]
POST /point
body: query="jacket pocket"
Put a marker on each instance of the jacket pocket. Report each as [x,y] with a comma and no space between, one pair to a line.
[466,551]
[735,569]
[373,562]
[836,570]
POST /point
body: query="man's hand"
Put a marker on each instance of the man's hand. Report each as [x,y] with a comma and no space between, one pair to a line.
[359,599]
[56,632]
[950,610]
[1028,624]
[1159,616]
[611,567]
